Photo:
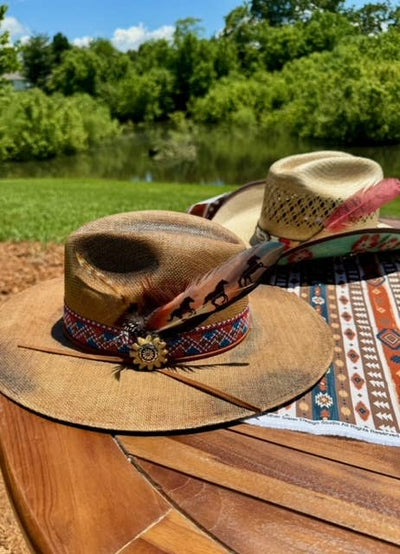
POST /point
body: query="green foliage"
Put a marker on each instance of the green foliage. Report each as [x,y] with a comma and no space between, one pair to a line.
[347,93]
[39,56]
[261,44]
[374,18]
[59,45]
[342,96]
[87,69]
[136,97]
[283,12]
[225,57]
[114,64]
[316,69]
[37,60]
[241,31]
[192,63]
[384,47]
[33,125]
[8,54]
[151,55]
[237,100]
[323,31]
[79,71]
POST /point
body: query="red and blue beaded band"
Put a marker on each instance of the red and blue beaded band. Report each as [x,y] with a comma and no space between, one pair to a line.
[151,352]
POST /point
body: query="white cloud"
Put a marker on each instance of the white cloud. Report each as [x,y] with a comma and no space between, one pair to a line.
[132,38]
[81,42]
[17,30]
[122,39]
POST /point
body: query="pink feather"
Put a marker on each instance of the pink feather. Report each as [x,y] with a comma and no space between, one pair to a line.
[362,204]
[218,288]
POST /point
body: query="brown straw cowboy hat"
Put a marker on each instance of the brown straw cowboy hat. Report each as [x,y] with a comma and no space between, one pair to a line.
[152,329]
[318,204]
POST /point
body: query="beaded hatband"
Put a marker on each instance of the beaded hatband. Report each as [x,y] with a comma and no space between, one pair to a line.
[149,352]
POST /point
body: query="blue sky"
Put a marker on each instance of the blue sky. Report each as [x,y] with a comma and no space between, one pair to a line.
[127,23]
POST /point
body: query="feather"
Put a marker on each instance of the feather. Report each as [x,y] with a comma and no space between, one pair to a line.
[362,204]
[97,275]
[218,288]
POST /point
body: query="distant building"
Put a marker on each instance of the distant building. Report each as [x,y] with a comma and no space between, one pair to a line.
[17,80]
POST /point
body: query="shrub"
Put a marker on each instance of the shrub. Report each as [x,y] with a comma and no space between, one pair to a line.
[36,126]
[238,100]
[136,98]
[342,96]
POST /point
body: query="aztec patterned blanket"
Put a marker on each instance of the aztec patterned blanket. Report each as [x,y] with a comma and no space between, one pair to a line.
[359,397]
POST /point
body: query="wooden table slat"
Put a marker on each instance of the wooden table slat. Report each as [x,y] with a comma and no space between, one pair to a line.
[219,510]
[360,454]
[330,491]
[73,489]
[240,485]
[173,534]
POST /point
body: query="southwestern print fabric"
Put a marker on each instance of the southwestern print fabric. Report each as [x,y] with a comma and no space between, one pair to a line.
[355,242]
[359,396]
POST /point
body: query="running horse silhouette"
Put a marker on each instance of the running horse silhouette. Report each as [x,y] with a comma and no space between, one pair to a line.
[216,294]
[183,308]
[254,264]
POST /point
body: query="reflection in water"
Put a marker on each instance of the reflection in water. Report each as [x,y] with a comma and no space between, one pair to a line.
[213,156]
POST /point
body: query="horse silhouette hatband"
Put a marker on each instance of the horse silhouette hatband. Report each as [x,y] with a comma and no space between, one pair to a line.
[151,352]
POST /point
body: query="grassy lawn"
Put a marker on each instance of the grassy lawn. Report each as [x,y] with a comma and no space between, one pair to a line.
[392,209]
[49,209]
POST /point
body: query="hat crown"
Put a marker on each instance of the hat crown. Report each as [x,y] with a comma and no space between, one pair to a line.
[138,261]
[302,191]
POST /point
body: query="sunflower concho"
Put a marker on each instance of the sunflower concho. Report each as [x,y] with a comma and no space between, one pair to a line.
[149,352]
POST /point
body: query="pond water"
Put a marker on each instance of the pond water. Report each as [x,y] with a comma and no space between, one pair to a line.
[211,156]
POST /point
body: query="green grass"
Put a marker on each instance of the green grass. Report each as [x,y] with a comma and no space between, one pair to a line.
[392,209]
[49,209]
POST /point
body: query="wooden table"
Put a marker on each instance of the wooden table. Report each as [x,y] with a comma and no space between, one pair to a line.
[242,488]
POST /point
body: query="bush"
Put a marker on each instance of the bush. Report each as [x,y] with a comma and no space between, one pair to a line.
[238,100]
[36,126]
[138,98]
[342,96]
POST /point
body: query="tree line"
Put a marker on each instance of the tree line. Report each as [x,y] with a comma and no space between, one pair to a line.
[314,69]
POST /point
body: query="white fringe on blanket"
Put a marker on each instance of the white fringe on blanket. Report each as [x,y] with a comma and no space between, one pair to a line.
[325,427]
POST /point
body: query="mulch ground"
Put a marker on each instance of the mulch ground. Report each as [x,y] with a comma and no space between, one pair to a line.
[22,265]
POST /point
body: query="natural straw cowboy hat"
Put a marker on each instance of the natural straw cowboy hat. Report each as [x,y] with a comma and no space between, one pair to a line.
[308,202]
[126,344]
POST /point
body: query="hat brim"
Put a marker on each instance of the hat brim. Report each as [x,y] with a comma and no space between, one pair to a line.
[240,213]
[288,349]
[350,243]
[240,210]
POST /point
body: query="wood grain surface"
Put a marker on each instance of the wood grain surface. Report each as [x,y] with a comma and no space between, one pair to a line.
[242,489]
[174,534]
[248,525]
[360,454]
[75,491]
[347,496]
